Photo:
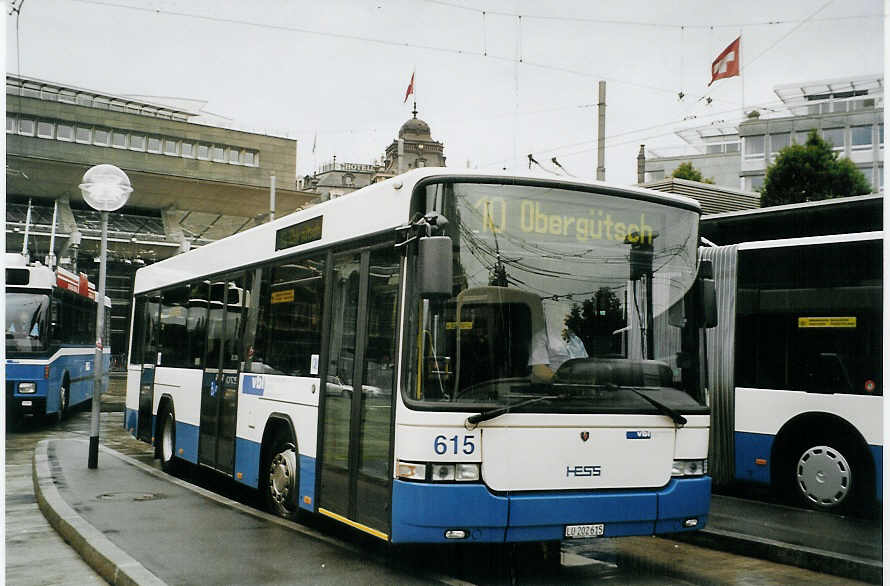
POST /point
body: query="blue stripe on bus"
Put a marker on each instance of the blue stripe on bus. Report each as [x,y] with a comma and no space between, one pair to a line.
[247,463]
[187,441]
[131,420]
[423,512]
[307,482]
[748,448]
[877,454]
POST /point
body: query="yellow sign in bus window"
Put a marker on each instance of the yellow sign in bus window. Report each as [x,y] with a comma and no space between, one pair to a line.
[285,296]
[826,322]
[463,325]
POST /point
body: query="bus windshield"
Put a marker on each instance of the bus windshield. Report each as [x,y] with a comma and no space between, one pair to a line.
[557,292]
[26,322]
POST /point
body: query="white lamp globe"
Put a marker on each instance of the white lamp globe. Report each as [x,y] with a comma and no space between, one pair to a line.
[105,188]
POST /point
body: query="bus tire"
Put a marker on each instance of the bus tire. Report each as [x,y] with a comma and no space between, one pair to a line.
[280,478]
[828,474]
[64,399]
[166,441]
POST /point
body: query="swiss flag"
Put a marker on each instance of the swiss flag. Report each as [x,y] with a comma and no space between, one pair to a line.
[727,63]
[410,88]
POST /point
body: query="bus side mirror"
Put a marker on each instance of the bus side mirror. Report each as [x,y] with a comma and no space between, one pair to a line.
[708,294]
[435,267]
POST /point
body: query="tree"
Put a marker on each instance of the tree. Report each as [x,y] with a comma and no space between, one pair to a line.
[687,171]
[810,172]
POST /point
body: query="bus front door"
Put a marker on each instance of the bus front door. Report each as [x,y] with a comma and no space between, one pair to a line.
[219,391]
[356,450]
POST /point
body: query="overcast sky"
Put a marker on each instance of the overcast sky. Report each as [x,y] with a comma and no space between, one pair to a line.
[493,86]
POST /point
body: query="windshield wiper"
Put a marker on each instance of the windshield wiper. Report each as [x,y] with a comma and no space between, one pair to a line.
[678,419]
[474,420]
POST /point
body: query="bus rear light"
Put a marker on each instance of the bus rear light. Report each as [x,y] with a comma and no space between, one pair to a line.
[443,472]
[27,388]
[46,371]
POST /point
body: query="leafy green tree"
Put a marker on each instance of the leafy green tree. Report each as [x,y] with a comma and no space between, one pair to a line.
[690,173]
[810,172]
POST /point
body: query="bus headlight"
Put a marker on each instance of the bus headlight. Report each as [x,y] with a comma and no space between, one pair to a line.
[464,472]
[28,388]
[689,468]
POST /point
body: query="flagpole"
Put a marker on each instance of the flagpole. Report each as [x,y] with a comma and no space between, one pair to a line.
[741,74]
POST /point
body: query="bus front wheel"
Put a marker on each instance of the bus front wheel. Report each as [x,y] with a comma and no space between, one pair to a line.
[63,402]
[281,479]
[167,442]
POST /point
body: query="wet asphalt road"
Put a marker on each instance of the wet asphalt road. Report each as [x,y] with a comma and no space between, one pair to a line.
[35,554]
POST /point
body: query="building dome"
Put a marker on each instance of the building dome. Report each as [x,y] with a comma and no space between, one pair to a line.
[414,126]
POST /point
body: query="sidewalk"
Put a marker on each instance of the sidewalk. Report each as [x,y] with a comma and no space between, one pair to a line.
[842,546]
[135,525]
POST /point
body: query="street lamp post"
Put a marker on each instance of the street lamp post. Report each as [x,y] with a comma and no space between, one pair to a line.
[105,188]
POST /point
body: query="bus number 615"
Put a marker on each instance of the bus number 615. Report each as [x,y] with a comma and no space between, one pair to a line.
[441,444]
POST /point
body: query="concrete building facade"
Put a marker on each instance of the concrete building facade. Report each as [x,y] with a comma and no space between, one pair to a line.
[846,112]
[192,182]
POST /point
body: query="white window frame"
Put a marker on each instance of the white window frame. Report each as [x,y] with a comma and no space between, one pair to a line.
[834,147]
[236,152]
[137,137]
[33,123]
[182,149]
[97,141]
[756,155]
[861,146]
[148,148]
[773,150]
[114,133]
[205,157]
[88,139]
[70,127]
[213,152]
[52,129]
[11,124]
[175,143]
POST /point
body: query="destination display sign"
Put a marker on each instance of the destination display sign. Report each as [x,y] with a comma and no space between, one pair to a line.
[302,233]
[826,322]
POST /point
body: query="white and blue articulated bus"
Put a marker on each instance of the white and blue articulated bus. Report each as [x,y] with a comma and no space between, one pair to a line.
[50,339]
[797,385]
[443,356]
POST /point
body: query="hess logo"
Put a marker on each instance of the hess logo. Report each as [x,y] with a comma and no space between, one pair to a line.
[583,471]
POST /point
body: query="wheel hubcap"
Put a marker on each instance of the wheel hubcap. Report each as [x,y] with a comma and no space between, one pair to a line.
[823,476]
[282,476]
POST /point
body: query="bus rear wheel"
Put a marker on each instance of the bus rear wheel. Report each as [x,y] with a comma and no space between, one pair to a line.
[281,479]
[828,475]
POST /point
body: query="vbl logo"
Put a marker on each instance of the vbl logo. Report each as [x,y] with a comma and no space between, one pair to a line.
[581,471]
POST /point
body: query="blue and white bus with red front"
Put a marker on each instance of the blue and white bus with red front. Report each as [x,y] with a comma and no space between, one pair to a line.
[443,356]
[50,338]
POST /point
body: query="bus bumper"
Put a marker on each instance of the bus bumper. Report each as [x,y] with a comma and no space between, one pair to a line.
[422,513]
[25,403]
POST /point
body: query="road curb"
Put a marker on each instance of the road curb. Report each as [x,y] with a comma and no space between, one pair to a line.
[793,555]
[111,562]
